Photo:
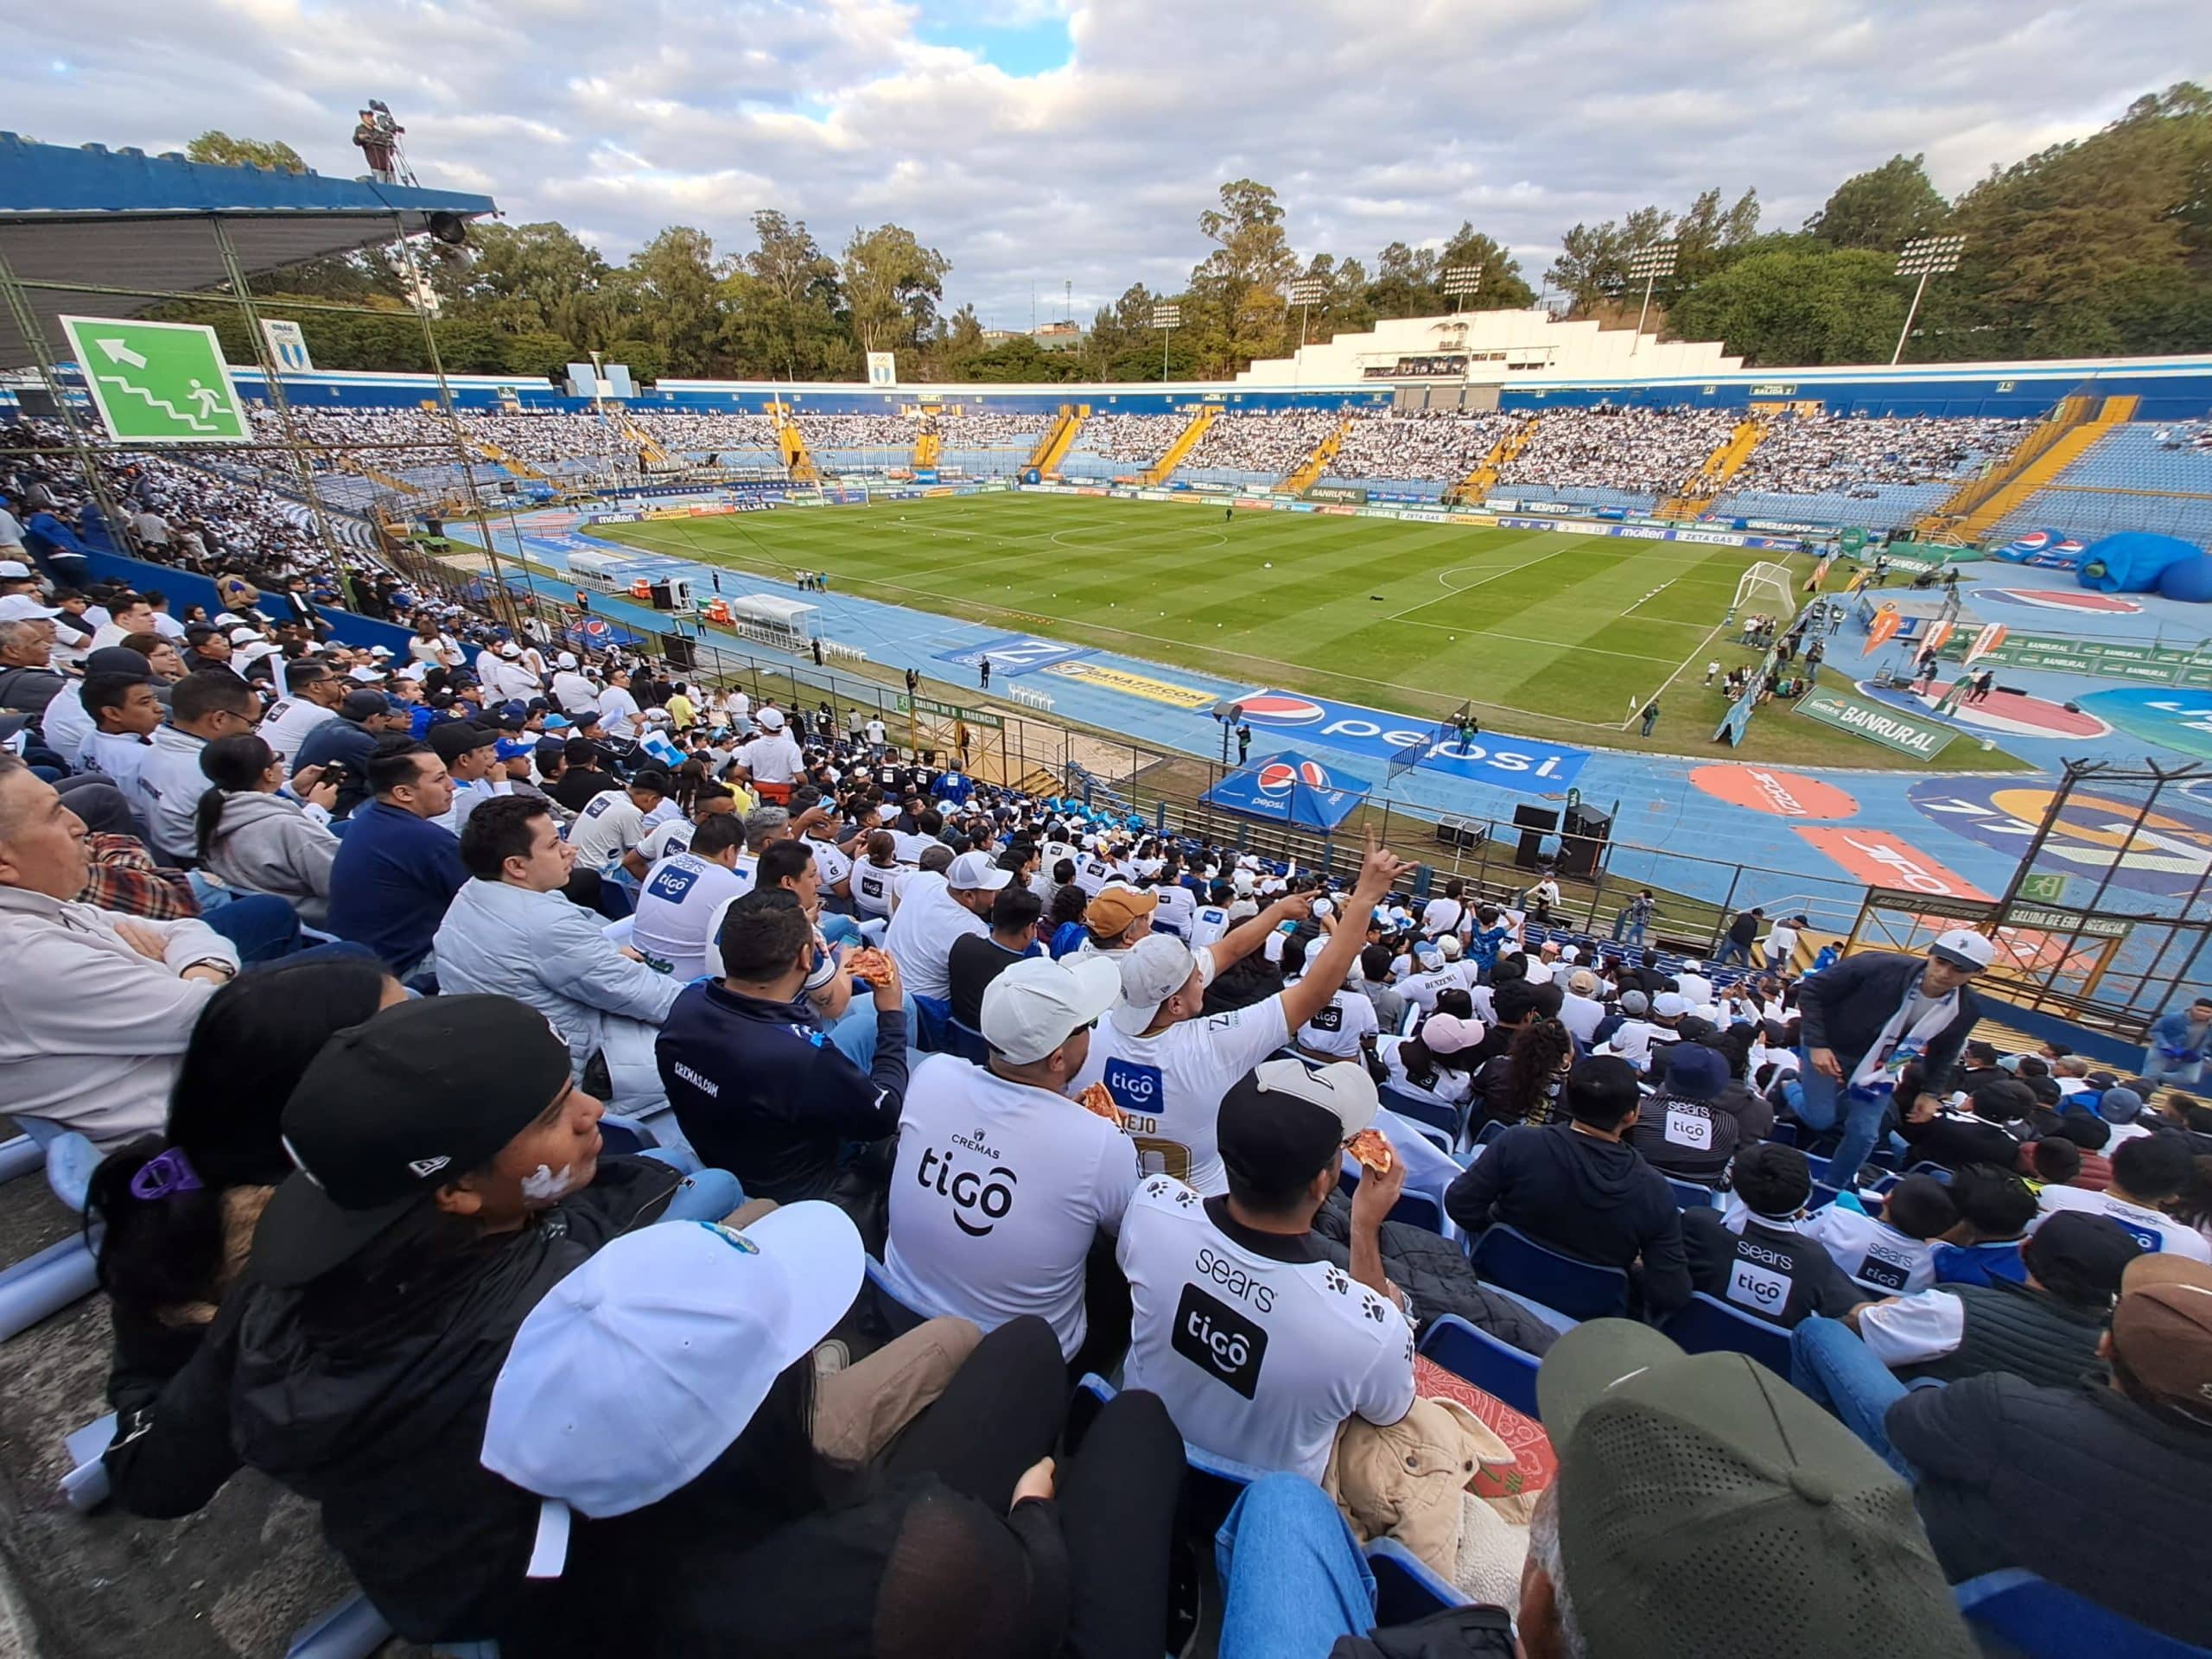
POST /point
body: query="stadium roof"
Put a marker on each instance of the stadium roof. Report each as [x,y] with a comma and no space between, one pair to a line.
[123,219]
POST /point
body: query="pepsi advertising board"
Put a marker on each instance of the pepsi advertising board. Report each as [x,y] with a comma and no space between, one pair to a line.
[1516,763]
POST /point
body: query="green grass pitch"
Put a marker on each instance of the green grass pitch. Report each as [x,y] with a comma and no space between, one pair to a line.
[1551,635]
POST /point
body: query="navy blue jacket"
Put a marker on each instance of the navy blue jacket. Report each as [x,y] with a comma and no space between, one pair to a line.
[393,877]
[1582,1195]
[761,1091]
[1844,1008]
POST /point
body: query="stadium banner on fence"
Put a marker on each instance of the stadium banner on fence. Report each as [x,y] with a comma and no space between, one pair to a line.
[1871,720]
[930,706]
[1131,685]
[1289,788]
[1345,492]
[1649,533]
[1527,764]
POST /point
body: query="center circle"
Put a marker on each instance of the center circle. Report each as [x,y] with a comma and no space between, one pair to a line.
[1059,537]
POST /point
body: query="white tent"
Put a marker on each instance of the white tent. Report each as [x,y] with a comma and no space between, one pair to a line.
[768,611]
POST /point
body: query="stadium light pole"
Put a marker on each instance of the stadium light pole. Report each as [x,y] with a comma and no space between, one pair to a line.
[1651,264]
[1461,282]
[1304,290]
[1167,318]
[1924,257]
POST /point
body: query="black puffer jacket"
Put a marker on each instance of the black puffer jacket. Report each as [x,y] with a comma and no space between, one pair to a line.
[1437,1275]
[367,1390]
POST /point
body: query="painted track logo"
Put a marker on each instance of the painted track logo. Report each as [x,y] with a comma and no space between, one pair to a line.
[2060,598]
[2167,851]
[1276,709]
[1782,794]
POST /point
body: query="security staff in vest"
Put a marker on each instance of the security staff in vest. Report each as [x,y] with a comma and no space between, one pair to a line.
[2045,1329]
[1871,1016]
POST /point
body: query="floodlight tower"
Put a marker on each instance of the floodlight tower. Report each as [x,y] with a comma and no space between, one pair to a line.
[1651,264]
[1167,318]
[1304,290]
[1924,257]
[1462,282]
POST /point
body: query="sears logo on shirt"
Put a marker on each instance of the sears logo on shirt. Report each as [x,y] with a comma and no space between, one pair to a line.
[1220,1341]
[987,1198]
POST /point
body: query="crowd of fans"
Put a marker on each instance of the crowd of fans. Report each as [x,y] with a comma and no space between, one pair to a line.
[1262,443]
[1141,439]
[1637,450]
[1810,455]
[1427,446]
[344,957]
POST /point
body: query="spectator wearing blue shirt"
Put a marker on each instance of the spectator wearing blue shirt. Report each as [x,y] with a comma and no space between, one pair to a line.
[954,786]
[396,871]
[2178,1040]
[758,1085]
[1996,1208]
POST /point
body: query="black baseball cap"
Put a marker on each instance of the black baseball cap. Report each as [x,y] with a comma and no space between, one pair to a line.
[1282,1123]
[2088,1253]
[365,705]
[393,1109]
[455,738]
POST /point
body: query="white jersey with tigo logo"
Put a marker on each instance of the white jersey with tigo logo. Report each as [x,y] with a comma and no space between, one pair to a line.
[1422,989]
[1338,1024]
[287,724]
[872,886]
[1169,1086]
[675,908]
[1870,1251]
[1177,907]
[997,1194]
[2151,1229]
[671,835]
[830,864]
[1092,872]
[1259,1347]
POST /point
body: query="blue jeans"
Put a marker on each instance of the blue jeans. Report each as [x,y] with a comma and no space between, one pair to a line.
[1824,1102]
[855,1035]
[1292,1580]
[709,1195]
[2159,1067]
[1731,951]
[1625,929]
[1829,1365]
[840,930]
[262,925]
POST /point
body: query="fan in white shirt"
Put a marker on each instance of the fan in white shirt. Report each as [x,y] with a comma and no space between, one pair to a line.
[1261,1347]
[771,758]
[618,710]
[1336,1027]
[682,893]
[1003,1183]
[571,691]
[1447,914]
[1166,1062]
[613,821]
[935,910]
[1895,1254]
[2146,1173]
[313,696]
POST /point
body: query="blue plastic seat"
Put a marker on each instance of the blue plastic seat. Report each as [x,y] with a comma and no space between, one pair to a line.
[1406,1588]
[1495,1367]
[1428,1112]
[1707,1325]
[967,1042]
[1576,1288]
[1421,1210]
[66,1271]
[352,1629]
[2037,1619]
[1688,1195]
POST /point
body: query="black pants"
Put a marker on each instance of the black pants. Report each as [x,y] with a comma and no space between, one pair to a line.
[1116,1496]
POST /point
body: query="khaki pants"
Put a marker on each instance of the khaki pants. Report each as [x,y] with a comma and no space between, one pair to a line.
[860,1410]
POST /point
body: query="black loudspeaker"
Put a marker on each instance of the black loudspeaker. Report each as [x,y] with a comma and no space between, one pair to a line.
[679,651]
[1528,855]
[1577,856]
[1588,821]
[1534,818]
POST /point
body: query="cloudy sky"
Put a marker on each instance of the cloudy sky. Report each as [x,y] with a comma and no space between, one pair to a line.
[1036,142]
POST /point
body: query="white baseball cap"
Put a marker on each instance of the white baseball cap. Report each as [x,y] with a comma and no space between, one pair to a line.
[1964,948]
[770,720]
[256,650]
[976,873]
[510,649]
[1448,1033]
[366,676]
[1449,944]
[244,636]
[14,571]
[380,651]
[24,607]
[1038,1004]
[682,1327]
[1670,1004]
[566,659]
[1153,969]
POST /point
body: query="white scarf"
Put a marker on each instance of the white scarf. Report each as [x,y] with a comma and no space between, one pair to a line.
[1888,1054]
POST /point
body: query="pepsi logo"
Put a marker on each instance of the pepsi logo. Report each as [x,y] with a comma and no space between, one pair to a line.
[2034,541]
[1278,777]
[1277,709]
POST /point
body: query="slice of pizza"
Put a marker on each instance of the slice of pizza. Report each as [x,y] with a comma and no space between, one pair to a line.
[869,965]
[1372,1150]
[1099,1103]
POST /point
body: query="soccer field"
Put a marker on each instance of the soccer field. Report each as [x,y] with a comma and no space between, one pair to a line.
[1550,634]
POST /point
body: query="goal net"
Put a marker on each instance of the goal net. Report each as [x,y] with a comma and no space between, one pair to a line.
[1766,590]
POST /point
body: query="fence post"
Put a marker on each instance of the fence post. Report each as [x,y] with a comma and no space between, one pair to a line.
[1727,909]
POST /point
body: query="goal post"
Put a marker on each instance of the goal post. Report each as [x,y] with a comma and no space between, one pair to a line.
[1766,588]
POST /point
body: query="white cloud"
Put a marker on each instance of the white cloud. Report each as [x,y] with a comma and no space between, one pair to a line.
[1377,123]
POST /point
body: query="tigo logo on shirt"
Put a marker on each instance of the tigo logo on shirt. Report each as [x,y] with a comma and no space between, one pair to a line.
[1220,1341]
[989,1196]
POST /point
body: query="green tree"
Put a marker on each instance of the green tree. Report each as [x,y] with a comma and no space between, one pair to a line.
[1234,308]
[646,359]
[1791,308]
[219,148]
[893,284]
[780,306]
[1593,263]
[538,278]
[675,287]
[1883,209]
[466,346]
[539,353]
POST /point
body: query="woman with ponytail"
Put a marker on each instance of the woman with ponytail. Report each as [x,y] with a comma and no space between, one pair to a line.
[170,1218]
[257,834]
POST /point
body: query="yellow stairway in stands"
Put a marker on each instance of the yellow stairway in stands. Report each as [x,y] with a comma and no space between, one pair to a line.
[1723,464]
[648,448]
[790,445]
[1479,483]
[1186,441]
[499,457]
[927,448]
[1303,477]
[1060,437]
[1975,506]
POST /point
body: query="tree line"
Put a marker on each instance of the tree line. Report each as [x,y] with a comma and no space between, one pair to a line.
[2100,246]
